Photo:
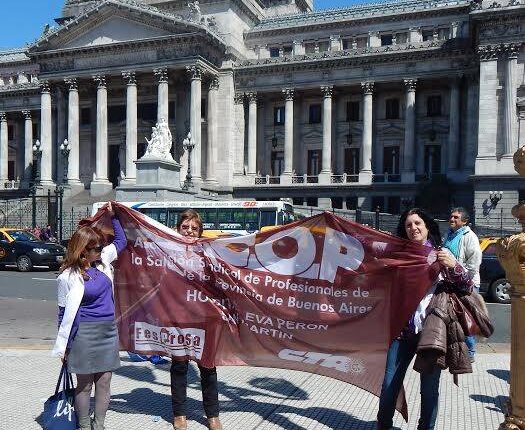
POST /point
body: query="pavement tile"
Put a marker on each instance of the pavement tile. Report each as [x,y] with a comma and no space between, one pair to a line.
[254,398]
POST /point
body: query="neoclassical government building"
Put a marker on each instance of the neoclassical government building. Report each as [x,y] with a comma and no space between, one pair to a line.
[361,106]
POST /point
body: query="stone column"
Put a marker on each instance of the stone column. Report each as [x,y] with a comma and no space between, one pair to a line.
[195,73]
[100,185]
[409,149]
[252,133]
[163,102]
[131,126]
[239,124]
[453,130]
[365,172]
[487,120]
[28,147]
[471,121]
[4,149]
[46,136]
[61,133]
[326,161]
[211,160]
[510,99]
[288,134]
[73,134]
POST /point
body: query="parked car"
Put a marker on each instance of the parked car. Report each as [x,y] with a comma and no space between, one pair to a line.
[493,282]
[22,249]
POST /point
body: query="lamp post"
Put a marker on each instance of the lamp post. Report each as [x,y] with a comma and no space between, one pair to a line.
[59,192]
[188,144]
[65,149]
[37,153]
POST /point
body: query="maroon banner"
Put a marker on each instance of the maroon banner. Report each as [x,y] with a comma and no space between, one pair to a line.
[322,295]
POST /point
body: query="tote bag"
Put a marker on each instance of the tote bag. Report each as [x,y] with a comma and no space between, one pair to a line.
[59,411]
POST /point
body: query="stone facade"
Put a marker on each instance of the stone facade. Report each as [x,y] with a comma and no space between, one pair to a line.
[370,105]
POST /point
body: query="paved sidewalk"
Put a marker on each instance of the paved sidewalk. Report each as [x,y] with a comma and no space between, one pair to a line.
[255,398]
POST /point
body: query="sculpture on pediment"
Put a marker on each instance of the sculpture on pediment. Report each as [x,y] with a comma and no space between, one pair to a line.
[159,146]
[195,11]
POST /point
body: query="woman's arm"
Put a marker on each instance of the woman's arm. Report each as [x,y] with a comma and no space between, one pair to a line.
[454,272]
[120,240]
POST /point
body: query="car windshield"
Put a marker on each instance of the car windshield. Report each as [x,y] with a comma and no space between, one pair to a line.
[22,235]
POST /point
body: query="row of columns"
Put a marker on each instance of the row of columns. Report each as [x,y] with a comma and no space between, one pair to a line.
[365,170]
[73,128]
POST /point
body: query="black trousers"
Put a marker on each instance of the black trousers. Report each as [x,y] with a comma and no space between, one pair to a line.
[179,381]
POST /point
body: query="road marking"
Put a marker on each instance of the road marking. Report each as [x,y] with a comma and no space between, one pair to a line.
[44,279]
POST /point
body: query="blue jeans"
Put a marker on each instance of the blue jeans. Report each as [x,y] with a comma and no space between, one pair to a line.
[398,359]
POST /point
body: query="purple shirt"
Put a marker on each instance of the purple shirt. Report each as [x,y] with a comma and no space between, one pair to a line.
[97,303]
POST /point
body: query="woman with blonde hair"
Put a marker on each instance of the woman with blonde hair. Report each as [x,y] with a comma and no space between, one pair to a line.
[87,336]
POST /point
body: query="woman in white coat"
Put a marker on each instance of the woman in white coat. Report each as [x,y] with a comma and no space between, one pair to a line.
[87,336]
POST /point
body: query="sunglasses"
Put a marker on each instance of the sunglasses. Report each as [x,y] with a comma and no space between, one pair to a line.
[97,248]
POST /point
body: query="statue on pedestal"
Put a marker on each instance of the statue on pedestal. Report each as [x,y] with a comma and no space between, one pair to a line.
[159,146]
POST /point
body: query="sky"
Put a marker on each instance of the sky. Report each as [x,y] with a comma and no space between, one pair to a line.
[23,20]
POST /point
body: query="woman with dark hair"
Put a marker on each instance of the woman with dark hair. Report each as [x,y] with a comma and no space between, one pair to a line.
[87,336]
[417,226]
[189,225]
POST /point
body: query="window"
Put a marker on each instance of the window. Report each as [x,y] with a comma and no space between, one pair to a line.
[392,108]
[278,115]
[352,111]
[394,204]
[434,106]
[378,202]
[391,160]
[337,202]
[314,162]
[490,250]
[116,114]
[314,114]
[10,132]
[274,52]
[147,111]
[277,163]
[203,109]
[85,116]
[432,159]
[287,50]
[11,170]
[352,161]
[36,130]
[351,202]
[386,39]
[427,35]
[311,201]
[521,195]
[346,44]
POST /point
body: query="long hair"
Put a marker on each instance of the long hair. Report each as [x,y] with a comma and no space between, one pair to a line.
[83,238]
[190,214]
[434,236]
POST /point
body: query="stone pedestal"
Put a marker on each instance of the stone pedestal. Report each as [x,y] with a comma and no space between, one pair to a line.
[157,179]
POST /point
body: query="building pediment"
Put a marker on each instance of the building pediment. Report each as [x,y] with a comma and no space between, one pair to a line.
[118,21]
[115,29]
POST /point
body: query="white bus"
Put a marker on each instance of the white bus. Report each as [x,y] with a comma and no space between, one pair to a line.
[225,216]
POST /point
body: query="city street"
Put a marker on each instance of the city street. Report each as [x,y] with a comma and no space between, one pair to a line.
[30,300]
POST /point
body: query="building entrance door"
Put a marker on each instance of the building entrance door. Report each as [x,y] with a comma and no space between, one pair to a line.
[113,164]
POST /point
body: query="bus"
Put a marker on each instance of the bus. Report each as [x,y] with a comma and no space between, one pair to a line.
[235,217]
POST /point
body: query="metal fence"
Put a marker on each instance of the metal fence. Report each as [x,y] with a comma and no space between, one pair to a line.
[498,225]
[40,211]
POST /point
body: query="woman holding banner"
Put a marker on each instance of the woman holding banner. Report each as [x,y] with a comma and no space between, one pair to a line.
[417,226]
[189,225]
[87,337]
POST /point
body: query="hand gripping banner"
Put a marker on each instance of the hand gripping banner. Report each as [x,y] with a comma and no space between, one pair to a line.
[322,295]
